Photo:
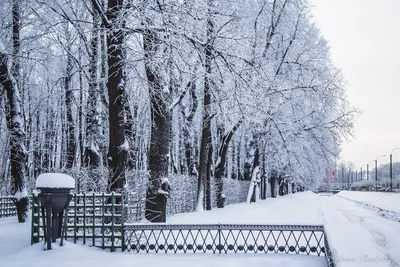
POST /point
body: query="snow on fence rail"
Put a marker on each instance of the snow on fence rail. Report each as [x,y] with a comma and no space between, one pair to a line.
[7,207]
[94,219]
[227,238]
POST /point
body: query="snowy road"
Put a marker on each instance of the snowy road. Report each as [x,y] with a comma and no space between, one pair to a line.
[386,201]
[358,236]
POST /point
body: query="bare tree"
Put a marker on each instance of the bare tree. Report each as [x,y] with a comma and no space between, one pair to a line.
[158,188]
[17,134]
[114,22]
[205,152]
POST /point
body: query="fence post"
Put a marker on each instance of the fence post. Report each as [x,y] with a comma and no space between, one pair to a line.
[35,220]
[328,253]
[219,247]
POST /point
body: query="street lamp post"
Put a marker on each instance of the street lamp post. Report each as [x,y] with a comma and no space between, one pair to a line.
[391,173]
[343,182]
[391,169]
[361,175]
[367,172]
[376,175]
[348,179]
[376,172]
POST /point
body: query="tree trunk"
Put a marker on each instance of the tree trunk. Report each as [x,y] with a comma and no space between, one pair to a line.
[69,101]
[238,160]
[252,157]
[17,134]
[248,164]
[92,153]
[190,151]
[205,152]
[160,134]
[263,172]
[45,162]
[256,156]
[207,184]
[280,185]
[103,95]
[274,177]
[81,126]
[221,162]
[15,67]
[14,119]
[233,167]
[118,148]
[37,157]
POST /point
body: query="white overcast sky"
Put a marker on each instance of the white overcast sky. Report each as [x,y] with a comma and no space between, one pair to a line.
[364,37]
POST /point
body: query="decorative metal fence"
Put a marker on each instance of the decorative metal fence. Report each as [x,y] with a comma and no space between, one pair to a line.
[7,207]
[99,220]
[227,238]
[94,219]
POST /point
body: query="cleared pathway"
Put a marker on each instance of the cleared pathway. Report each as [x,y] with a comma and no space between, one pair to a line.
[359,236]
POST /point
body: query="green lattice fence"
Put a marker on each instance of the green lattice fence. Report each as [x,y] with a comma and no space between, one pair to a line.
[7,207]
[93,219]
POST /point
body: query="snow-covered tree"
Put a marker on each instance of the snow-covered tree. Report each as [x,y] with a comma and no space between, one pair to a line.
[208,89]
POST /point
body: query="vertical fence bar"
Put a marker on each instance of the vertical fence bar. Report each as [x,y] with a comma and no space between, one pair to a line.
[32,223]
[112,221]
[123,220]
[103,200]
[35,223]
[76,217]
[94,219]
[328,253]
[219,239]
[84,218]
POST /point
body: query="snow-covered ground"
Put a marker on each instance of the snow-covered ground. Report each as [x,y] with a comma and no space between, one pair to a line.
[380,203]
[300,208]
[358,237]
[381,200]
